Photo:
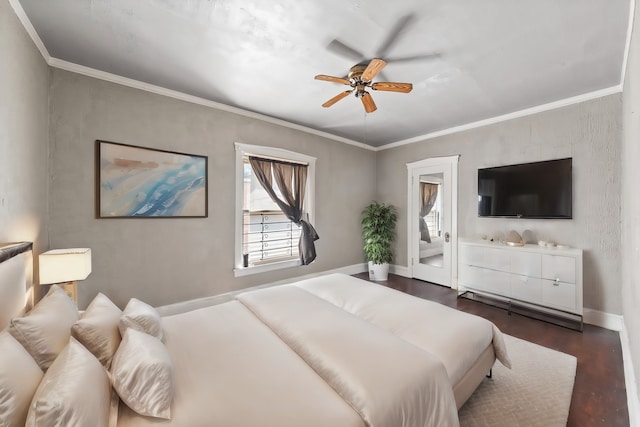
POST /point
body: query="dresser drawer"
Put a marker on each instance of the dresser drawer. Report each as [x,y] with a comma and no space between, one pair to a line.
[496,259]
[526,264]
[497,282]
[470,275]
[528,289]
[559,295]
[559,267]
[471,255]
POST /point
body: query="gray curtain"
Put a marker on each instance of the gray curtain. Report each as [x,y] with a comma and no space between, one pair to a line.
[291,179]
[428,195]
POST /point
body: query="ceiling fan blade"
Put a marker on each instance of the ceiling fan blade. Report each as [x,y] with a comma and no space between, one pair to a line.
[395,33]
[367,101]
[339,48]
[373,68]
[412,58]
[332,79]
[337,98]
[392,87]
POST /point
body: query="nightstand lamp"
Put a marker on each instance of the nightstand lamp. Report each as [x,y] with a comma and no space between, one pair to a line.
[64,267]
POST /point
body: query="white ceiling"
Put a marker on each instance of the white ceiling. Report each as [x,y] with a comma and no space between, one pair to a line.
[476,59]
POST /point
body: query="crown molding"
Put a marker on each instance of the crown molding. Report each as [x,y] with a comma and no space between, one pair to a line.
[158,90]
[136,84]
[493,120]
[627,46]
[26,23]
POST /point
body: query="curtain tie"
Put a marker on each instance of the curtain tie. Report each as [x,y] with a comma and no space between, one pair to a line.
[305,245]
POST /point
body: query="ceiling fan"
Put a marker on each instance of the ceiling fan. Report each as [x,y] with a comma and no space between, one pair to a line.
[360,79]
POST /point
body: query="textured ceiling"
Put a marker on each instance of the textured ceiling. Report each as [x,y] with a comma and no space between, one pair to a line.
[467,60]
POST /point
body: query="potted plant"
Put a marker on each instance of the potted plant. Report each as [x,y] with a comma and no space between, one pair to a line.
[378,232]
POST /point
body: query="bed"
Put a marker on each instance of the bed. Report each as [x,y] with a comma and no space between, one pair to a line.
[329,351]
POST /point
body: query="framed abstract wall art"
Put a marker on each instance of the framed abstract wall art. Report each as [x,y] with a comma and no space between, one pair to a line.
[139,182]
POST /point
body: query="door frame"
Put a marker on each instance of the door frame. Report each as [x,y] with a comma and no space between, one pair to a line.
[434,161]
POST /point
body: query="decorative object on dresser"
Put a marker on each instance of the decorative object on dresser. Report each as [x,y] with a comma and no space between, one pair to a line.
[528,236]
[378,232]
[542,279]
[64,267]
[514,239]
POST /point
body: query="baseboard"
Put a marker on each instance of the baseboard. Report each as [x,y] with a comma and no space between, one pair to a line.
[633,399]
[194,304]
[349,269]
[400,270]
[604,320]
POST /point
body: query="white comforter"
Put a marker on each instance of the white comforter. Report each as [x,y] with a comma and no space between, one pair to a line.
[232,371]
[331,351]
[454,337]
[388,381]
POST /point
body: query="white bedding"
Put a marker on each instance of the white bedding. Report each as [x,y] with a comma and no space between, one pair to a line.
[388,381]
[330,351]
[233,371]
[455,337]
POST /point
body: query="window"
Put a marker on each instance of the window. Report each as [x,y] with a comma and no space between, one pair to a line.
[434,219]
[267,234]
[265,238]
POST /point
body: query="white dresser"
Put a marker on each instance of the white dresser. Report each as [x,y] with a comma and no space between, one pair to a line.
[548,278]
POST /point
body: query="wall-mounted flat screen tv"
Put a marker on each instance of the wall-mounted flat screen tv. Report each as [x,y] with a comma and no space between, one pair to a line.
[528,190]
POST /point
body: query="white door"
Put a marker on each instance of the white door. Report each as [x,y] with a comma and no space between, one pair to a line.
[432,217]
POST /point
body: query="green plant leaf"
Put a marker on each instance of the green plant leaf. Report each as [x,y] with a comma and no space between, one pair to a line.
[378,231]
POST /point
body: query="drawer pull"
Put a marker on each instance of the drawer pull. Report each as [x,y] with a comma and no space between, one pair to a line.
[556,282]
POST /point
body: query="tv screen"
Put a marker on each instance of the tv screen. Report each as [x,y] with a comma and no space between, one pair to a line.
[528,190]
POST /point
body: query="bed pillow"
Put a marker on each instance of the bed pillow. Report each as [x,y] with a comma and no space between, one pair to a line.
[98,330]
[75,391]
[19,379]
[142,374]
[141,317]
[45,331]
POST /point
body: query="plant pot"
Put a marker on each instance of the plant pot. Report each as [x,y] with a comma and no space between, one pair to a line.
[378,272]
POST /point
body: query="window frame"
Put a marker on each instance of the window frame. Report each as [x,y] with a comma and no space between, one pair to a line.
[243,150]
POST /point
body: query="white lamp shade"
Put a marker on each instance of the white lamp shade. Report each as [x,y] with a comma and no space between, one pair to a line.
[64,265]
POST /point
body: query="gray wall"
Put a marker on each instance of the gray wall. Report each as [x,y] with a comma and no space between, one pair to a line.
[631,200]
[590,132]
[24,121]
[162,261]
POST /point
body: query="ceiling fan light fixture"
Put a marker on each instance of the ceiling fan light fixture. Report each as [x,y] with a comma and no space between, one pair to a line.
[360,91]
[360,78]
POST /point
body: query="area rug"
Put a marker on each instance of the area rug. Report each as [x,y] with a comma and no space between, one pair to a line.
[536,391]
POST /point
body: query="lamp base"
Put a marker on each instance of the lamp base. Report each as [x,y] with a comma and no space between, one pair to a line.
[71,288]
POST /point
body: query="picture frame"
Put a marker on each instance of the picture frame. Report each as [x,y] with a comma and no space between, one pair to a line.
[141,182]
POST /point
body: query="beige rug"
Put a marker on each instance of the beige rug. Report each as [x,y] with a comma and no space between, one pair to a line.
[535,392]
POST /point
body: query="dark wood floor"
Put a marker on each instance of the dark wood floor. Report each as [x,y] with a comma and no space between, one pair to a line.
[599,394]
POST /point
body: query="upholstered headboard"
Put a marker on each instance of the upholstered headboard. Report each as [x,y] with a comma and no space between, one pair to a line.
[14,288]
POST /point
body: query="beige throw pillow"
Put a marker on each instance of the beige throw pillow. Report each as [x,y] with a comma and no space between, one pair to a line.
[142,374]
[141,317]
[45,331]
[74,392]
[19,379]
[98,330]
